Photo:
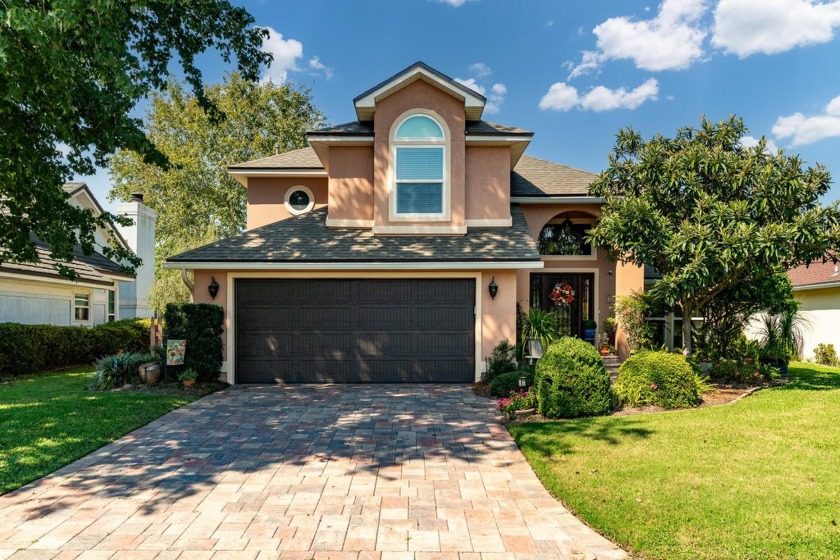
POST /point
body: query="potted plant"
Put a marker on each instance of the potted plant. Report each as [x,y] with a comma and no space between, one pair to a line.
[539,329]
[604,346]
[188,377]
[149,372]
[589,329]
[610,326]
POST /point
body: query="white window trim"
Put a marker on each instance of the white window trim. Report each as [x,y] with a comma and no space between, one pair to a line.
[294,211]
[445,143]
[108,313]
[89,307]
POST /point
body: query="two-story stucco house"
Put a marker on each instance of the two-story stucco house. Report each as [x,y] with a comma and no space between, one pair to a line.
[370,256]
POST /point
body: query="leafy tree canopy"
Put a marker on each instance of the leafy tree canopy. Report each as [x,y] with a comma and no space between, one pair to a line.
[70,73]
[708,213]
[195,198]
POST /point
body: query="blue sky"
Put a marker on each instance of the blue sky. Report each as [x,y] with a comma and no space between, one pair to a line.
[577,72]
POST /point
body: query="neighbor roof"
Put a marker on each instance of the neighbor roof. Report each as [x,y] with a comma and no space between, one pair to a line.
[534,177]
[307,239]
[814,274]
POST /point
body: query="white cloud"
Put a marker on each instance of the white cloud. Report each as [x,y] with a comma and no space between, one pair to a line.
[672,40]
[807,130]
[316,64]
[751,142]
[454,3]
[563,97]
[495,97]
[286,52]
[480,70]
[745,27]
[560,97]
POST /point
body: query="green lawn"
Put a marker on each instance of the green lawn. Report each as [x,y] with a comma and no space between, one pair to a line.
[756,479]
[49,420]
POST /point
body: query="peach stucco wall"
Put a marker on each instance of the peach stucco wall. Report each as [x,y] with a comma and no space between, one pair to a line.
[418,95]
[487,182]
[629,279]
[266,196]
[351,183]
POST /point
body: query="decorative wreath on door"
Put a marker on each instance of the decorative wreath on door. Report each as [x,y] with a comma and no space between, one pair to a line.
[562,294]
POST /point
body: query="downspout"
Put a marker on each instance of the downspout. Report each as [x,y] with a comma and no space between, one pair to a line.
[187,282]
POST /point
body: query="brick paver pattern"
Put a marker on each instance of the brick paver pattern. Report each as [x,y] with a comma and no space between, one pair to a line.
[385,472]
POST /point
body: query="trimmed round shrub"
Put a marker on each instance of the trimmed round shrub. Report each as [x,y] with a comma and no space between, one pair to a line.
[571,381]
[658,378]
[503,384]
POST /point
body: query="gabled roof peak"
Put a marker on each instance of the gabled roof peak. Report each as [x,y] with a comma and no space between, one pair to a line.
[366,102]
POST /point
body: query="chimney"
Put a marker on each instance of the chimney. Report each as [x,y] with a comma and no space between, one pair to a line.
[140,236]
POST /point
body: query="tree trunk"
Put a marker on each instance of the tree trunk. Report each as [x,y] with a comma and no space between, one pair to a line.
[686,331]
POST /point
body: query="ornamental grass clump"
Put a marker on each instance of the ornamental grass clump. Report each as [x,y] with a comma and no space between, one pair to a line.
[571,381]
[658,378]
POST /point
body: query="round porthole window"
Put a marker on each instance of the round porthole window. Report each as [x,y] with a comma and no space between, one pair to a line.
[299,200]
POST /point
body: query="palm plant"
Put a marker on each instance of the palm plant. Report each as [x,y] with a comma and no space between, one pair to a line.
[540,325]
[781,335]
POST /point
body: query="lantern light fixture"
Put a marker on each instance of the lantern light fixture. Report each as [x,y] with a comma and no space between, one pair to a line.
[213,288]
[493,288]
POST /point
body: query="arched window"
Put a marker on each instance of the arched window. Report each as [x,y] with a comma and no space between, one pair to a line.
[565,238]
[419,172]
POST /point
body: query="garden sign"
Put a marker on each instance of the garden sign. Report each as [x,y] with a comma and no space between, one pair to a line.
[175,350]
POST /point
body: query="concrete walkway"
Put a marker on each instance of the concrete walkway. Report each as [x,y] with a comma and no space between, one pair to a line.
[386,472]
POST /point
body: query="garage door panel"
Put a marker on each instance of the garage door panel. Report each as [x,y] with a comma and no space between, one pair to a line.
[354,331]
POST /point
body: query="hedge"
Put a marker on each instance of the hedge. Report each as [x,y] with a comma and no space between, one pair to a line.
[201,325]
[571,381]
[503,384]
[26,349]
[658,378]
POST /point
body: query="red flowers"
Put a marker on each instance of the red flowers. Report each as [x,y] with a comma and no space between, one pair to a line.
[562,294]
[654,386]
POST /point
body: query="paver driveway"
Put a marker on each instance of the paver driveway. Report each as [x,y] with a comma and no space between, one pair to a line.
[306,471]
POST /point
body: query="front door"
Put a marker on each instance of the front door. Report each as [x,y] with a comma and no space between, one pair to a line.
[582,305]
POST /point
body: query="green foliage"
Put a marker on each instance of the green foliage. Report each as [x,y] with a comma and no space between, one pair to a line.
[196,199]
[70,75]
[116,371]
[28,349]
[188,375]
[826,355]
[571,381]
[502,385]
[708,213]
[631,313]
[727,315]
[610,326]
[539,324]
[781,336]
[201,325]
[502,360]
[517,400]
[658,378]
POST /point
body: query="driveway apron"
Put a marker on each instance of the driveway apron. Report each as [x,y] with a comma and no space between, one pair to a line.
[386,472]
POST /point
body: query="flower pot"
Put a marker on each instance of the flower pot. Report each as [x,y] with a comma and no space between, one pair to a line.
[188,382]
[535,349]
[589,334]
[149,373]
[604,350]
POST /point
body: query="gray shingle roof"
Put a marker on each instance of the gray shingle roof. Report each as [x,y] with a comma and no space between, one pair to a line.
[429,69]
[304,158]
[307,239]
[538,177]
[482,128]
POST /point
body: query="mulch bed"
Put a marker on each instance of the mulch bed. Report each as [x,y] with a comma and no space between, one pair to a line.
[200,389]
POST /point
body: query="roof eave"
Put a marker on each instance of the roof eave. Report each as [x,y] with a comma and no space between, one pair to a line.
[355,265]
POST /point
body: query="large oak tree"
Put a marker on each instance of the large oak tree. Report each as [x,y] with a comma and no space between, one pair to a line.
[709,213]
[70,73]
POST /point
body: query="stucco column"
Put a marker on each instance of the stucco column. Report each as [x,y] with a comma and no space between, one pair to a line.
[629,278]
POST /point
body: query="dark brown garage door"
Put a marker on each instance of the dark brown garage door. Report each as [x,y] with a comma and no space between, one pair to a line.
[355,331]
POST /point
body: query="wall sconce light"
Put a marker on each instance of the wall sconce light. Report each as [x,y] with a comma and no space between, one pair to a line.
[213,288]
[493,288]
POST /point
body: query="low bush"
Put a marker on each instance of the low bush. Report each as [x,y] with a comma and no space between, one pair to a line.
[658,378]
[201,325]
[521,400]
[26,349]
[502,385]
[745,370]
[116,371]
[502,360]
[826,355]
[571,381]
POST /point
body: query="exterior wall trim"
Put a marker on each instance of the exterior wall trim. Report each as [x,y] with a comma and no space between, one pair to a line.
[34,278]
[500,222]
[421,230]
[230,358]
[278,173]
[555,199]
[359,266]
[365,224]
[824,286]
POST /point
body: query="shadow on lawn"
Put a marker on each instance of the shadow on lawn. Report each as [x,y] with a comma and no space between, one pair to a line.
[809,378]
[262,441]
[553,438]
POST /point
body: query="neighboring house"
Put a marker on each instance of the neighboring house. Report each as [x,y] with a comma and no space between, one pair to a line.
[817,288]
[370,256]
[34,293]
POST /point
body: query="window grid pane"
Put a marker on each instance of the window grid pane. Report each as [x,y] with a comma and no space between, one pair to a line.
[419,127]
[419,198]
[419,164]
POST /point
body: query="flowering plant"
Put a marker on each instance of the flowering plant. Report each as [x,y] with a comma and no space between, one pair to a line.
[521,400]
[562,294]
